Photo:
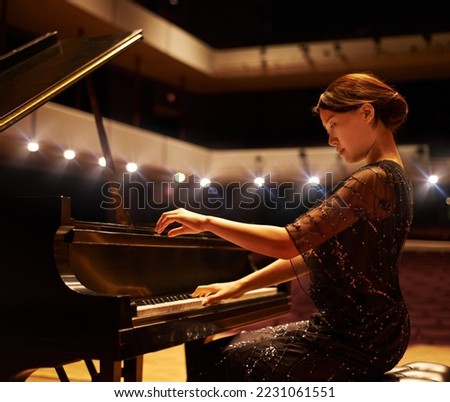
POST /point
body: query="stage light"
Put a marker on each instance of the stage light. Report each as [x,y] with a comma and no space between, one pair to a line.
[314,180]
[131,167]
[433,179]
[179,177]
[259,181]
[33,146]
[205,182]
[69,154]
[102,161]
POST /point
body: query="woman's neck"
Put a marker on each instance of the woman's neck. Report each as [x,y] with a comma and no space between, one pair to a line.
[384,148]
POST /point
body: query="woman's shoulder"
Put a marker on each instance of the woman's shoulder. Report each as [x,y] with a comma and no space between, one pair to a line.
[382,175]
[382,170]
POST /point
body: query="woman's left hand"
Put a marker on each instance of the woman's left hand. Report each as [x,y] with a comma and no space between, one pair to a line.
[190,222]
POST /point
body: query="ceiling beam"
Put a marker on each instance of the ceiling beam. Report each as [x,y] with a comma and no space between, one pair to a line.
[173,56]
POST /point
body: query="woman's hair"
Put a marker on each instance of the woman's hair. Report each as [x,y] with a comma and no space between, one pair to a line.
[350,91]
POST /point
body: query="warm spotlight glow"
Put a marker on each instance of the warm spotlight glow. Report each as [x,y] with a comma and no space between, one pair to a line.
[179,177]
[171,97]
[433,179]
[69,154]
[259,181]
[102,161]
[205,182]
[131,167]
[314,180]
[33,146]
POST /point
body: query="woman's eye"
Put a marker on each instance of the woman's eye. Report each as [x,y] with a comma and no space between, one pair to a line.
[332,125]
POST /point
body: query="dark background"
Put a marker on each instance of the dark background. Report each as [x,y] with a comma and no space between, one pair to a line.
[253,119]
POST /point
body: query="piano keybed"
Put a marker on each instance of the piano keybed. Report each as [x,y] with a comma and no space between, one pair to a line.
[158,306]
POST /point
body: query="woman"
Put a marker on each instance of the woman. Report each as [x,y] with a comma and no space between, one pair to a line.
[350,244]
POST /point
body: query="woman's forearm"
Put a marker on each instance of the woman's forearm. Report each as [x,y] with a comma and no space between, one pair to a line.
[268,240]
[277,272]
[272,241]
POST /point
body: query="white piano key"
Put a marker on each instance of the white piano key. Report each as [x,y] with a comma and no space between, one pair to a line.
[152,310]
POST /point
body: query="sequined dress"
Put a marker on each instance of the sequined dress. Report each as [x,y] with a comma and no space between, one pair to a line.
[352,243]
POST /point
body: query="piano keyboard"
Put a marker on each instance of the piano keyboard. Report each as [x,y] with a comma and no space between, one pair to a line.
[163,305]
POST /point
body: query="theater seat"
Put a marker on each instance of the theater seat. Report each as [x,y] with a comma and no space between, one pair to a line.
[419,371]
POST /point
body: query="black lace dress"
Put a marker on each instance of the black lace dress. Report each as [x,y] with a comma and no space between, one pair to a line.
[352,243]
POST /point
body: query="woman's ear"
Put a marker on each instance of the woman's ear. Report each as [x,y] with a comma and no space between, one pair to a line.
[368,111]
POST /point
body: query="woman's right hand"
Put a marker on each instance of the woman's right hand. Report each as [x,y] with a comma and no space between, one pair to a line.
[216,292]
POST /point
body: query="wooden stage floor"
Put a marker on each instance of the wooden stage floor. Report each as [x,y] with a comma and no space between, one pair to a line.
[168,365]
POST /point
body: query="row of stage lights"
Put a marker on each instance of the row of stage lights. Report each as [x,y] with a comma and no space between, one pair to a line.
[132,167]
[70,154]
[259,180]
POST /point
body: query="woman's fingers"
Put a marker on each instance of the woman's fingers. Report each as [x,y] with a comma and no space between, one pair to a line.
[165,220]
[203,291]
[162,223]
[212,299]
[213,294]
[189,222]
[177,231]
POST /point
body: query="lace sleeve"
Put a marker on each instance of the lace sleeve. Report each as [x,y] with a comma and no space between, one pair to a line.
[368,194]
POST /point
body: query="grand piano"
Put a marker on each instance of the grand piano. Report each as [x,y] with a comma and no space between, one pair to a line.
[101,291]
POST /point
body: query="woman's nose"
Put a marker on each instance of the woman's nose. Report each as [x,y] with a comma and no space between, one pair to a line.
[331,140]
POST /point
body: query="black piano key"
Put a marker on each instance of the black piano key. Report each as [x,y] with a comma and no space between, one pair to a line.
[162,299]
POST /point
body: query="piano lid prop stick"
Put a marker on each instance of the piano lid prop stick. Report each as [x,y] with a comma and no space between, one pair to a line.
[121,216]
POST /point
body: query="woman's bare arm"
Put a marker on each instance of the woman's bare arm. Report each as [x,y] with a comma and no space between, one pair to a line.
[279,271]
[269,240]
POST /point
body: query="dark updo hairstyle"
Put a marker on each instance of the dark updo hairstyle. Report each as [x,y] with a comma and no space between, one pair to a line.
[350,91]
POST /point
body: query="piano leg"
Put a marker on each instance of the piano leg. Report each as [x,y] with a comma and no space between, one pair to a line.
[192,352]
[18,366]
[133,368]
[115,370]
[62,375]
[110,370]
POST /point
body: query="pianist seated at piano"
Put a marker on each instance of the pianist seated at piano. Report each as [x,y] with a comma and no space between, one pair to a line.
[350,245]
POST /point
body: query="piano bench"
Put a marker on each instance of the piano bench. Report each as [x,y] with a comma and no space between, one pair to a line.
[419,371]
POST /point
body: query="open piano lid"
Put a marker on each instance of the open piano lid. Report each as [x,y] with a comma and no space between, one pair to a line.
[34,73]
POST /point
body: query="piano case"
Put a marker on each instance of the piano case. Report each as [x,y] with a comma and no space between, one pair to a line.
[70,290]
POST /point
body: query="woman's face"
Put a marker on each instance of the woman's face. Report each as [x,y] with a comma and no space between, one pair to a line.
[351,133]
